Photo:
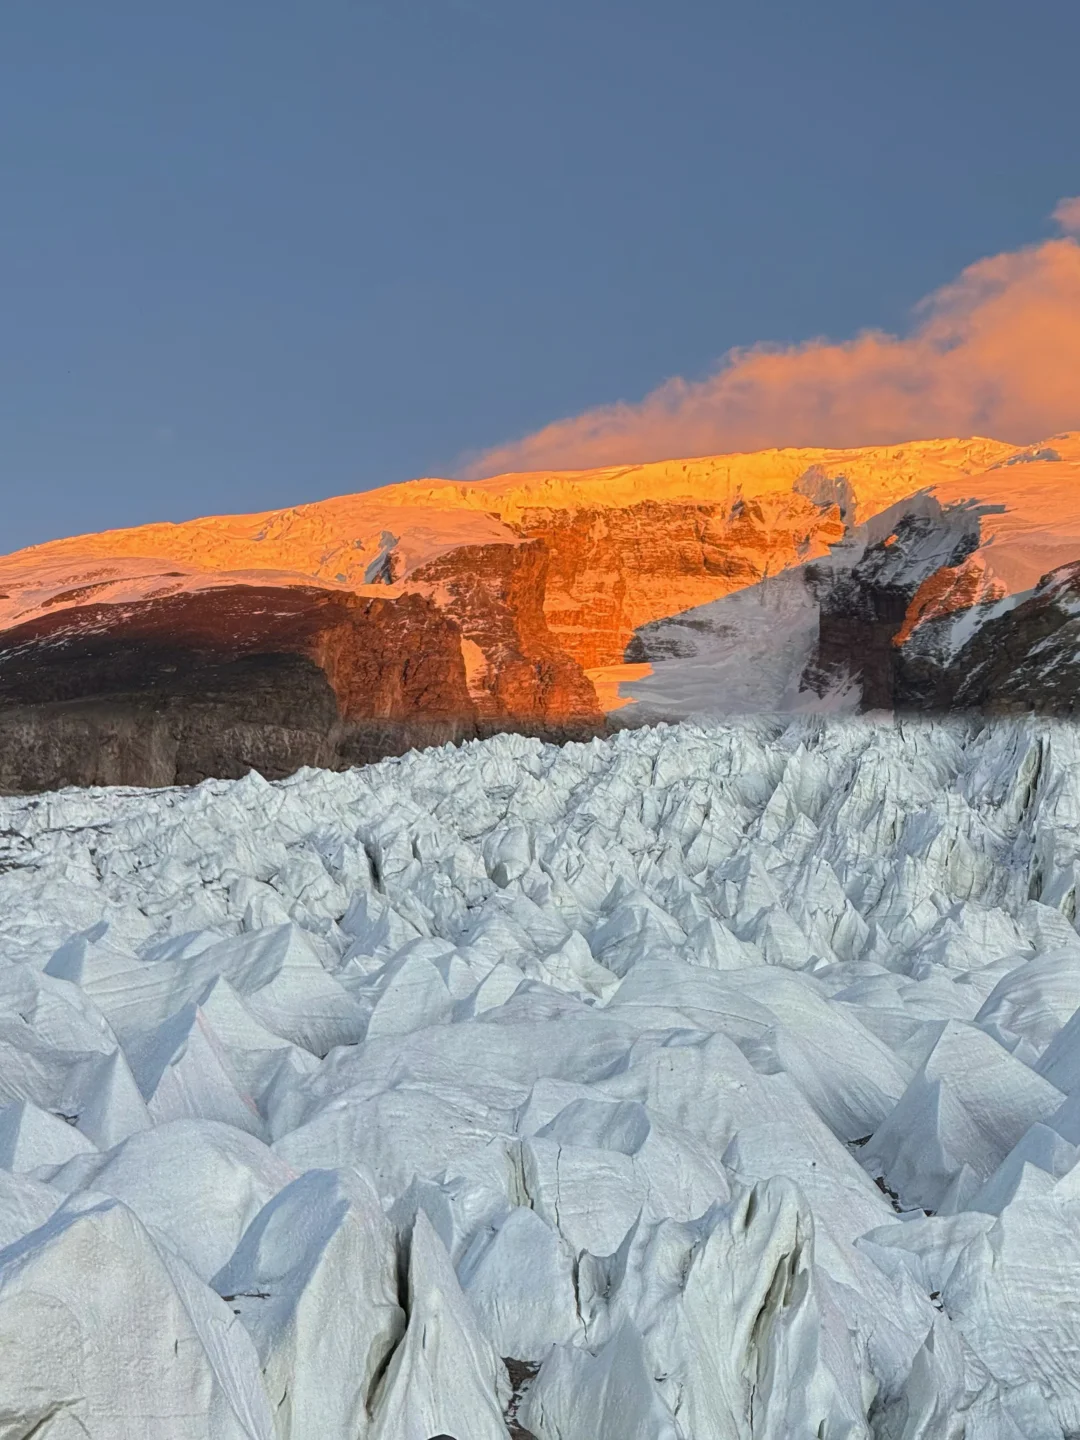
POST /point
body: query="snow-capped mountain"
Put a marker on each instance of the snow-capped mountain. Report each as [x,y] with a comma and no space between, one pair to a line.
[698,1083]
[923,576]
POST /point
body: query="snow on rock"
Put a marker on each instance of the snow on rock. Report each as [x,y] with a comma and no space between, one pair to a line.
[705,1082]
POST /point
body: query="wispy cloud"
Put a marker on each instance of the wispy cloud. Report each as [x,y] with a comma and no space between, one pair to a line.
[997,352]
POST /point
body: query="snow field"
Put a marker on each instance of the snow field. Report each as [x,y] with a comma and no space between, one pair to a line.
[726,1079]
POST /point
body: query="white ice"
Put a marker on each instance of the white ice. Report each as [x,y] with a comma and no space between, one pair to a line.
[707,1083]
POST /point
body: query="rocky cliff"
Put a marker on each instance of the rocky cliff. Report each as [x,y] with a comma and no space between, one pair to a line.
[612,570]
[934,575]
[220,681]
[935,601]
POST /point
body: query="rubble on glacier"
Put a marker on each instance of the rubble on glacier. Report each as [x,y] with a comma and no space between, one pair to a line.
[725,1079]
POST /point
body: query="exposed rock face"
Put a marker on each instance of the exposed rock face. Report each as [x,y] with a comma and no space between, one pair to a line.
[495,594]
[165,688]
[924,605]
[864,610]
[919,623]
[1022,658]
[932,575]
[217,682]
[614,570]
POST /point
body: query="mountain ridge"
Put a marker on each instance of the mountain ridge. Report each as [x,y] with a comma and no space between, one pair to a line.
[557,603]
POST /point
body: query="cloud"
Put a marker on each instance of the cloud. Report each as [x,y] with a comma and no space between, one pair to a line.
[1067,214]
[997,353]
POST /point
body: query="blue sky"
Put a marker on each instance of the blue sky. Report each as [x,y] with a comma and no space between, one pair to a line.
[259,252]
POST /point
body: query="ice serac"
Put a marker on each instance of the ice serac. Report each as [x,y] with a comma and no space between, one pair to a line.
[108,1337]
[314,1282]
[934,575]
[445,1376]
[705,1082]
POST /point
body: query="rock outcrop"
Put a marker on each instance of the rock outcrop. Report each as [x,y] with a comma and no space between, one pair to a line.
[217,682]
[613,570]
[515,667]
[943,599]
[927,576]
[869,610]
[1023,657]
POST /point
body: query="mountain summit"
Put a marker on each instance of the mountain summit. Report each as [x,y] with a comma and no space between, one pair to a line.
[936,575]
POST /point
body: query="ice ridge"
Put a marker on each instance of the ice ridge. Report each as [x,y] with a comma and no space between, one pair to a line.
[709,1082]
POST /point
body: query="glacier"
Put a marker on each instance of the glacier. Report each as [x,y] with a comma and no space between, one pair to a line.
[707,1082]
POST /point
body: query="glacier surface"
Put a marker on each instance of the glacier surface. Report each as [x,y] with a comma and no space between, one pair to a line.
[703,1083]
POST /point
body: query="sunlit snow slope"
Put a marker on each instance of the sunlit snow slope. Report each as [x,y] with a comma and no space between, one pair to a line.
[931,576]
[695,1084]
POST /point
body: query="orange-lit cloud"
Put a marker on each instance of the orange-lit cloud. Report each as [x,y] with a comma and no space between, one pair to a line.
[997,352]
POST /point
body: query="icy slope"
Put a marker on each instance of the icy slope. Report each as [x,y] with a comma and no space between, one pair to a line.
[556,604]
[725,1082]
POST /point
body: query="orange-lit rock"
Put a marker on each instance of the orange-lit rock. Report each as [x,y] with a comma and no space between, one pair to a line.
[612,570]
[495,596]
[626,544]
[215,682]
[947,591]
[442,608]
